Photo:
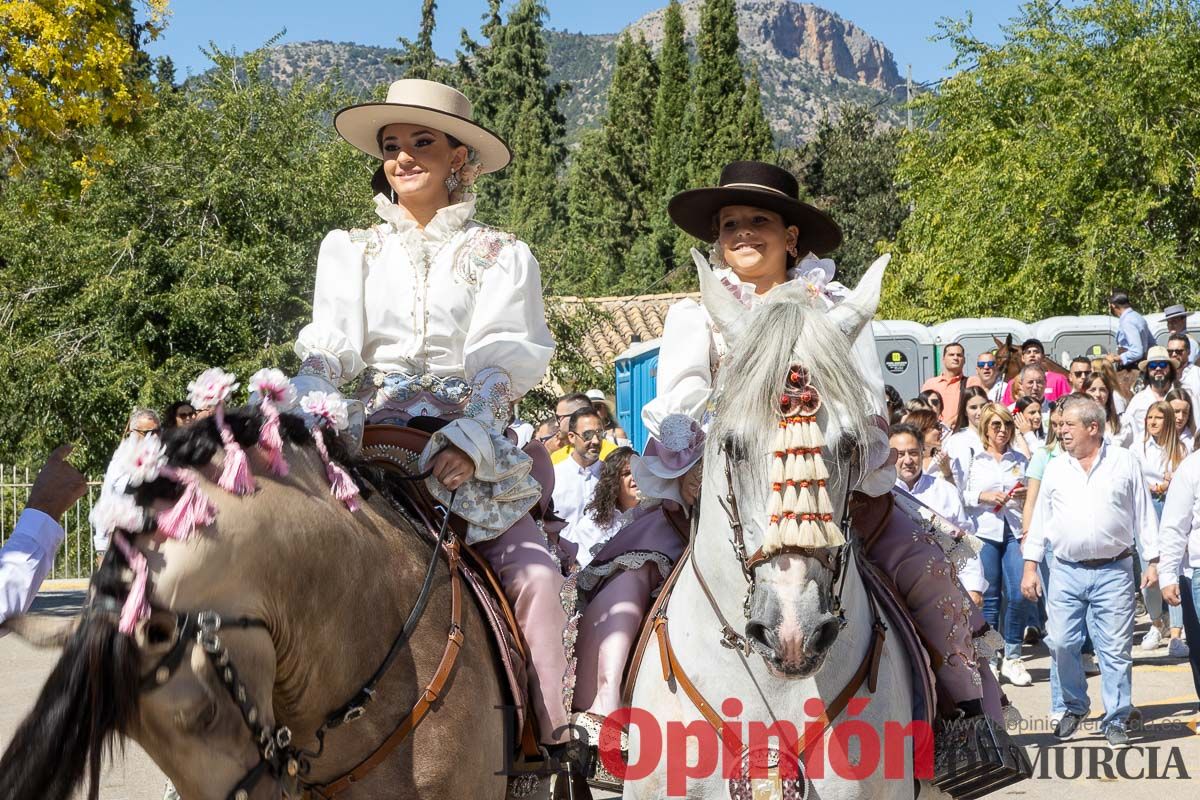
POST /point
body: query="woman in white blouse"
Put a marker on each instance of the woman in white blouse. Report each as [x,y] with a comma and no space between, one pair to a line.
[994,496]
[1100,388]
[431,314]
[1185,416]
[760,232]
[962,445]
[1160,453]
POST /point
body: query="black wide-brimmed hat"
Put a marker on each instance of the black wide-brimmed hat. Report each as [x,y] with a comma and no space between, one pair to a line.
[754,183]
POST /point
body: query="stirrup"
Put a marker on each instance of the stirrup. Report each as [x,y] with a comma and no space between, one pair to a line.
[974,756]
[597,774]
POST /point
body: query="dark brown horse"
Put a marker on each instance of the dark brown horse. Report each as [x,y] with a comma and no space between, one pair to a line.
[326,591]
[1008,359]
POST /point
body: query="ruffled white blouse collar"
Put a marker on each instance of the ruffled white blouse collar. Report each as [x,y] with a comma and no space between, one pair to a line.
[816,274]
[448,221]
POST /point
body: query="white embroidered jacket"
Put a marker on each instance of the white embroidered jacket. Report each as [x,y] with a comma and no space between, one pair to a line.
[455,299]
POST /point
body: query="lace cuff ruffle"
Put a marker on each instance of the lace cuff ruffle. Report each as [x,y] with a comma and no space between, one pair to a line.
[502,491]
[491,399]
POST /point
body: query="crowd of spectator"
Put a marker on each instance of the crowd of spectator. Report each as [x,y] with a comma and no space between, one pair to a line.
[1081,483]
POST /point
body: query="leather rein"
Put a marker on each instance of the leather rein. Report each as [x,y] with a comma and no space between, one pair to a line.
[278,756]
[832,559]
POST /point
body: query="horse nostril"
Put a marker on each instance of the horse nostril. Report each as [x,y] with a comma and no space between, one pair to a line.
[757,632]
[824,638]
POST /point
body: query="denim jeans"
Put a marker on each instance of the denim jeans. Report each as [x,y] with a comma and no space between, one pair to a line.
[1189,593]
[1103,598]
[1003,568]
[1151,595]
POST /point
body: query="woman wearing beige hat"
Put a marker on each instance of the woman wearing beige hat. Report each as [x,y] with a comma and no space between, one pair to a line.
[435,315]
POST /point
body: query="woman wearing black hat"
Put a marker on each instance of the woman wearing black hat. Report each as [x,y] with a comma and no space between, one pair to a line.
[763,236]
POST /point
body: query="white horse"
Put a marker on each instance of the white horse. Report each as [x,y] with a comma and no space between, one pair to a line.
[786,613]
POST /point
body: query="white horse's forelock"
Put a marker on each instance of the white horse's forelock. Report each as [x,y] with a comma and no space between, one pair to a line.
[787,330]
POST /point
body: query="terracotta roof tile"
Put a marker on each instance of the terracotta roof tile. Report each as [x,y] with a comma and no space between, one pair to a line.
[622,319]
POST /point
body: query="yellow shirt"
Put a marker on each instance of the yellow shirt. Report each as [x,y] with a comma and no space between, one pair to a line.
[561,453]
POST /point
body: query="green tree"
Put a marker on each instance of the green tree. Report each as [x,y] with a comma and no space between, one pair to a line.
[669,150]
[417,58]
[849,170]
[611,199]
[195,248]
[714,126]
[512,96]
[753,131]
[1058,165]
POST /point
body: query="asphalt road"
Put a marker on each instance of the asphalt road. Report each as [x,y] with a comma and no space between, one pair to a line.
[1162,687]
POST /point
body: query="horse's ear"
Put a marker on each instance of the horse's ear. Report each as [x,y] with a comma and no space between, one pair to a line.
[41,631]
[725,309]
[852,314]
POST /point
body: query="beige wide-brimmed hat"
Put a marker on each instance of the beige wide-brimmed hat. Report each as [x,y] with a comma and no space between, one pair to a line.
[420,102]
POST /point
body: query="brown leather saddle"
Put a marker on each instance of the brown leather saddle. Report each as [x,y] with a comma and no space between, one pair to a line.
[396,448]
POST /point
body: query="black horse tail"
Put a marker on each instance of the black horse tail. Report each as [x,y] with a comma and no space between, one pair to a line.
[89,698]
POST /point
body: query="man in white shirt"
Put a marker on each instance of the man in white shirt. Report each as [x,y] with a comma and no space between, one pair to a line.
[1161,377]
[576,475]
[1179,348]
[1179,553]
[28,554]
[1091,504]
[939,495]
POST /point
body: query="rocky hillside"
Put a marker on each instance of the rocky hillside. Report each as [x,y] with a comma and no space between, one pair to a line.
[809,61]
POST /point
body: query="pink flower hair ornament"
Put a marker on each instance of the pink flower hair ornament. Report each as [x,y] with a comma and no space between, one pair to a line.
[328,412]
[210,390]
[275,395]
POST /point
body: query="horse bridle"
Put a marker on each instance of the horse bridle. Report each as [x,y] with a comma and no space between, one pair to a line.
[832,559]
[284,761]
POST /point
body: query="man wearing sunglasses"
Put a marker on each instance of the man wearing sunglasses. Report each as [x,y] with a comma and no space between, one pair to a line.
[987,377]
[1080,373]
[1160,378]
[576,475]
[1176,317]
[1179,348]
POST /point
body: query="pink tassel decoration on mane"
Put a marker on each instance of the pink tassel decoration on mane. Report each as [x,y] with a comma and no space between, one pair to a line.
[191,511]
[328,410]
[210,390]
[136,607]
[340,482]
[235,474]
[276,394]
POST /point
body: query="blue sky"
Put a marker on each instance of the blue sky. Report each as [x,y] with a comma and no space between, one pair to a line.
[904,27]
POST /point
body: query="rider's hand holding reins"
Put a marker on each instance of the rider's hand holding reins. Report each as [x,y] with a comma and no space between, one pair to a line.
[452,467]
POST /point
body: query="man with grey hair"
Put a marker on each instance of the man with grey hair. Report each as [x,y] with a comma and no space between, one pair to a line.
[1090,506]
[1032,379]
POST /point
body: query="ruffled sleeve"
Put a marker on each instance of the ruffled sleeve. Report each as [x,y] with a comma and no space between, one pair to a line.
[685,380]
[508,331]
[332,343]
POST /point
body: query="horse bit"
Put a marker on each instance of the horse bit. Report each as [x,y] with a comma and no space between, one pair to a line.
[277,755]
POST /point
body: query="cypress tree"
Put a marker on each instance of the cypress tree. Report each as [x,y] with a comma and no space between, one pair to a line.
[718,87]
[610,195]
[417,58]
[753,130]
[669,151]
[511,96]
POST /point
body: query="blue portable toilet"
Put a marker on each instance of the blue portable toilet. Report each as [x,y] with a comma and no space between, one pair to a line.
[637,384]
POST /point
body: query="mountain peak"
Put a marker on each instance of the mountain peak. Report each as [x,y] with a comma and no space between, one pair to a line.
[801,33]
